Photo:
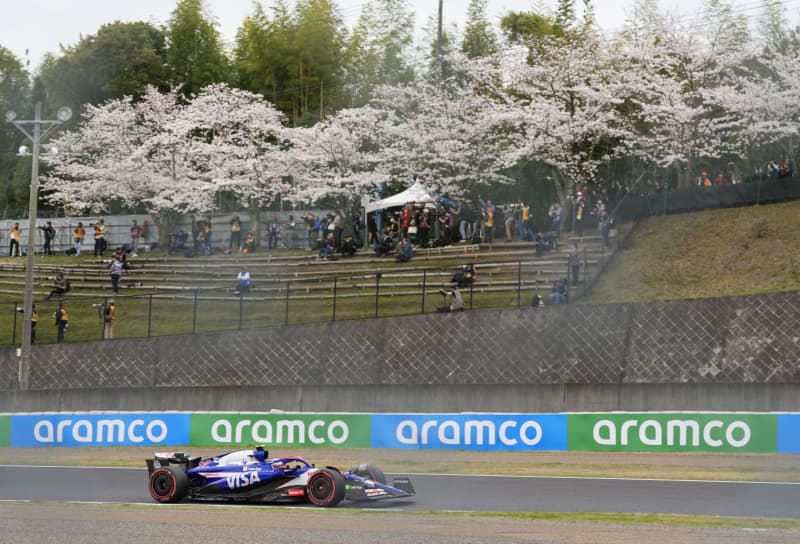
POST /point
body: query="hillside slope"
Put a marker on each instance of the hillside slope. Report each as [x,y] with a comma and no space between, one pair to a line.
[728,252]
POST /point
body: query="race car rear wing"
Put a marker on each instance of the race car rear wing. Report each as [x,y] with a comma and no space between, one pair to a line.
[175,458]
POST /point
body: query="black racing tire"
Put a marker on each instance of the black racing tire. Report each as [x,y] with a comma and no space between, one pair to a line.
[168,485]
[326,488]
[370,471]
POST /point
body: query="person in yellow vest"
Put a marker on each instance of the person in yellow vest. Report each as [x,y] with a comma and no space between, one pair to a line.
[34,322]
[62,322]
[488,222]
[80,234]
[236,234]
[110,314]
[13,250]
[525,223]
[99,238]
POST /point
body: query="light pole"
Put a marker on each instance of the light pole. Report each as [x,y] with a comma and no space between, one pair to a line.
[41,128]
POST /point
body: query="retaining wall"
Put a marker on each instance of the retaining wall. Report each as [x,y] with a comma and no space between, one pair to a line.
[625,356]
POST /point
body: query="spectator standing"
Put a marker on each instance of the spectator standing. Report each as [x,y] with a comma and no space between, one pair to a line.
[579,213]
[338,228]
[62,322]
[406,252]
[60,286]
[80,234]
[272,234]
[372,229]
[134,238]
[115,269]
[525,222]
[207,235]
[423,227]
[288,232]
[109,315]
[236,234]
[14,235]
[555,216]
[34,322]
[574,260]
[509,222]
[488,222]
[405,220]
[49,236]
[99,238]
[311,222]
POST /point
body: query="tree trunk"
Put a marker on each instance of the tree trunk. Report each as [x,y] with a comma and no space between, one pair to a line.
[166,223]
[255,222]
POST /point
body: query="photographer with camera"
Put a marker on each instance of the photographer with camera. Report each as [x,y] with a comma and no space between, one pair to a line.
[62,322]
[109,315]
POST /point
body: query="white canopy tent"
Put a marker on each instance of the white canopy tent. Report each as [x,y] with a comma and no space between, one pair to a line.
[417,194]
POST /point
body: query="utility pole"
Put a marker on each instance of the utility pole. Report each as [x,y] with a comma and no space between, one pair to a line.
[36,137]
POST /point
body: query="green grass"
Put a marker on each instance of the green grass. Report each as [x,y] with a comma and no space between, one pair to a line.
[730,252]
[727,252]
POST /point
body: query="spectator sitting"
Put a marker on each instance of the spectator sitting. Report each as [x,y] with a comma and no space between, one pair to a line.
[456,302]
[328,247]
[542,244]
[244,282]
[385,245]
[465,276]
[122,257]
[249,244]
[60,286]
[537,301]
[178,241]
[560,294]
[406,252]
[348,248]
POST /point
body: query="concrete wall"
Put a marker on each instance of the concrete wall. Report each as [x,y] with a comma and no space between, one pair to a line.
[420,398]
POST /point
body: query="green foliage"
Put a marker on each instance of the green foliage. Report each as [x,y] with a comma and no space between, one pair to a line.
[14,89]
[194,54]
[479,38]
[121,59]
[519,26]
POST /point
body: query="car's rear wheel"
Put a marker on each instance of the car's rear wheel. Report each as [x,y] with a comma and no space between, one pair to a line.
[168,485]
[370,471]
[326,488]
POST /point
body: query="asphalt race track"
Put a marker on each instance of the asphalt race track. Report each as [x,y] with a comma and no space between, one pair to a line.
[456,493]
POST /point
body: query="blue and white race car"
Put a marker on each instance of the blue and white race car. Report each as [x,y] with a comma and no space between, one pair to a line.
[249,475]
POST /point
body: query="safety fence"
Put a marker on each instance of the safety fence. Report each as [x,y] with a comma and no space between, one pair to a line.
[325,298]
[709,432]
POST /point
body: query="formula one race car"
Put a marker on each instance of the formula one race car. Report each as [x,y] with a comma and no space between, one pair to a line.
[249,475]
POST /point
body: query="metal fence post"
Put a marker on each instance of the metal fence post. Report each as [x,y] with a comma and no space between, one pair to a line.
[194,313]
[286,317]
[377,291]
[14,333]
[424,280]
[519,283]
[470,296]
[585,266]
[241,303]
[149,315]
[334,296]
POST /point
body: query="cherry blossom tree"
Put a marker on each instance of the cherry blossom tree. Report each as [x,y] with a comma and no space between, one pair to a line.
[245,143]
[337,158]
[136,154]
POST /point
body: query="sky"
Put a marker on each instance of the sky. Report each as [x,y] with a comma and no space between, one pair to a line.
[39,26]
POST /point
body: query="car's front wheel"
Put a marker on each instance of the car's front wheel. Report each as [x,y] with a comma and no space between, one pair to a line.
[326,487]
[168,485]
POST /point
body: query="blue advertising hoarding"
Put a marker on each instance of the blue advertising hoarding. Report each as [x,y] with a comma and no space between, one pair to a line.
[789,433]
[100,429]
[509,432]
